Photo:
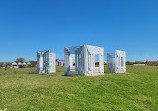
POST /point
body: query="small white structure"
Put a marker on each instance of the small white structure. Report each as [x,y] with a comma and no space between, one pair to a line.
[81,59]
[45,62]
[15,65]
[59,62]
[116,62]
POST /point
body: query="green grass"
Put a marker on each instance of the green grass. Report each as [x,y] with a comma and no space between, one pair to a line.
[18,71]
[135,90]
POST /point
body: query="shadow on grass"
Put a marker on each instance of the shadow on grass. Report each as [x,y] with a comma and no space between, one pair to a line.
[75,74]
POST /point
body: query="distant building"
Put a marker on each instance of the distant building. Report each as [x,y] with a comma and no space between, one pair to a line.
[17,64]
[97,63]
[59,62]
[139,64]
[152,63]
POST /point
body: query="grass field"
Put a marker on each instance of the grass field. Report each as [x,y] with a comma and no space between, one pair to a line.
[135,90]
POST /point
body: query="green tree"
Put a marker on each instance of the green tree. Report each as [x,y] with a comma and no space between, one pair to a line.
[1,64]
[129,63]
[20,59]
[32,63]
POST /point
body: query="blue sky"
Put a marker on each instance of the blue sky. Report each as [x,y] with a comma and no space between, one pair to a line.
[28,26]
